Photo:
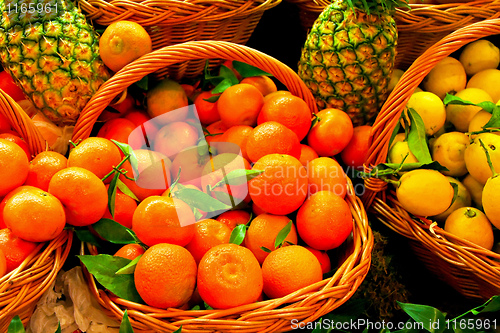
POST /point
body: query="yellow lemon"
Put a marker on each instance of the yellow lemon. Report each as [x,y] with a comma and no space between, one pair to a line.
[396,75]
[488,80]
[475,156]
[475,189]
[398,152]
[461,115]
[430,108]
[398,137]
[449,150]
[424,192]
[480,55]
[463,199]
[470,224]
[447,76]
[491,200]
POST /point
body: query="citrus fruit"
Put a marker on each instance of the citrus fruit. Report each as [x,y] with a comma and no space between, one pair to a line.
[130,251]
[470,224]
[477,122]
[262,82]
[175,137]
[430,108]
[14,166]
[479,55]
[282,187]
[356,151]
[165,276]
[447,76]
[487,80]
[490,199]
[429,184]
[289,269]
[449,150]
[272,137]
[167,102]
[461,115]
[206,110]
[288,110]
[208,233]
[323,258]
[122,42]
[234,217]
[326,174]
[331,133]
[240,105]
[213,131]
[118,129]
[43,167]
[161,219]
[400,151]
[324,221]
[238,135]
[15,249]
[475,156]
[229,276]
[98,155]
[152,176]
[307,154]
[4,122]
[82,194]
[3,264]
[124,209]
[189,164]
[33,214]
[8,85]
[18,141]
[263,231]
[396,75]
[277,93]
[463,199]
[475,189]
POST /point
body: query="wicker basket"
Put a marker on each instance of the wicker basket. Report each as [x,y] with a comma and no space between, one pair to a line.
[269,316]
[170,22]
[419,27]
[471,270]
[21,289]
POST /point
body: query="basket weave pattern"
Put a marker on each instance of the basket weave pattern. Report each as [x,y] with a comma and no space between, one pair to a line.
[470,269]
[172,22]
[21,289]
[419,27]
[268,316]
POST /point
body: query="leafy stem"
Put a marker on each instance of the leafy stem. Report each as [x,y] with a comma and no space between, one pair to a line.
[116,169]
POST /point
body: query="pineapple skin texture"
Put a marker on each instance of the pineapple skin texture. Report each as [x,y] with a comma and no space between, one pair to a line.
[52,53]
[348,59]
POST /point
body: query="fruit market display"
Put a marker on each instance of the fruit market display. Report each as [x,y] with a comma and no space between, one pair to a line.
[212,193]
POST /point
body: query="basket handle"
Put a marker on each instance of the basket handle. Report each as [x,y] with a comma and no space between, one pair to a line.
[22,123]
[169,55]
[396,102]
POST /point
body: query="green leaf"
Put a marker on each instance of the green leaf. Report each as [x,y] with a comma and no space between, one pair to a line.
[491,305]
[125,326]
[112,194]
[417,139]
[238,234]
[228,74]
[197,214]
[280,238]
[207,307]
[128,151]
[455,192]
[201,200]
[143,83]
[427,315]
[384,169]
[104,267]
[238,177]
[494,121]
[58,330]
[179,330]
[84,235]
[246,70]
[223,85]
[114,232]
[394,133]
[125,190]
[16,325]
[212,99]
[265,249]
[452,99]
[130,267]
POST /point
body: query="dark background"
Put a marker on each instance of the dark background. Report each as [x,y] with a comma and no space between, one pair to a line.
[280,34]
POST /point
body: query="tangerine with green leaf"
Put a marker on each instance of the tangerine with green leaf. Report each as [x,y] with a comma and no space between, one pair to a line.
[130,251]
[208,233]
[475,157]
[207,110]
[124,208]
[234,217]
[331,132]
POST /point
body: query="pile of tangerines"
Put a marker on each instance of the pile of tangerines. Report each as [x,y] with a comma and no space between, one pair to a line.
[278,226]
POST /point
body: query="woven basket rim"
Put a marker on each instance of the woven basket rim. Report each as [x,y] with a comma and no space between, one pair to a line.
[350,274]
[479,261]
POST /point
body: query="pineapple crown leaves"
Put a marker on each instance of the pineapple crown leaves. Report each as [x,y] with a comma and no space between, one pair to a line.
[377,7]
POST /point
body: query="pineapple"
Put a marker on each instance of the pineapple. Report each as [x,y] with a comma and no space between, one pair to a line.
[348,57]
[52,53]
